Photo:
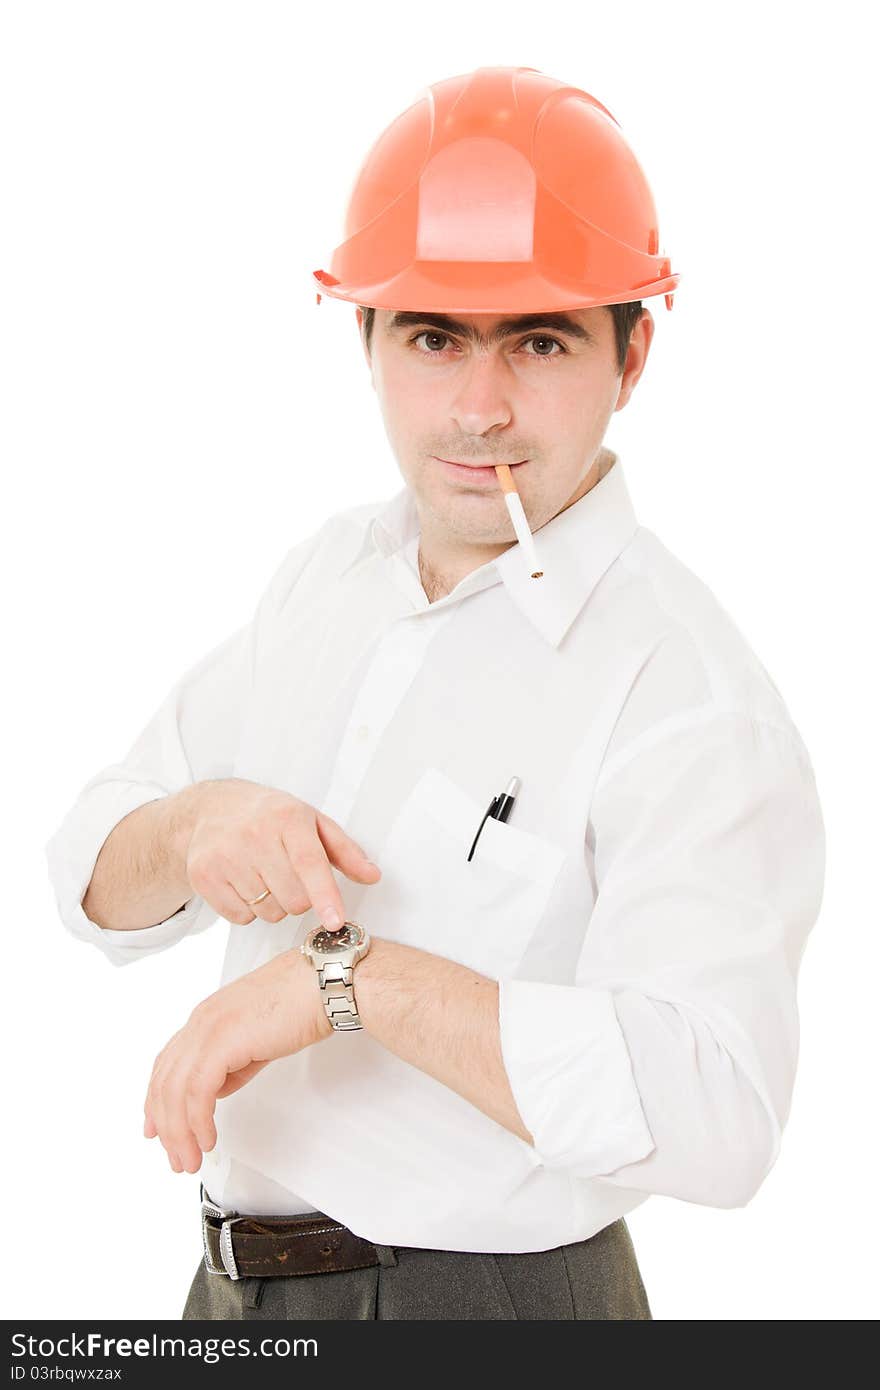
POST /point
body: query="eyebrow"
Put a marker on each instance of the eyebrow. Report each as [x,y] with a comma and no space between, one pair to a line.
[562,323]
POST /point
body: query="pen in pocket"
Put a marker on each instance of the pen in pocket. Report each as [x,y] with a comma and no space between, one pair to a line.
[500,808]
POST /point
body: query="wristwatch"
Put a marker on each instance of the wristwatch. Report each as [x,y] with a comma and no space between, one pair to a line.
[333,954]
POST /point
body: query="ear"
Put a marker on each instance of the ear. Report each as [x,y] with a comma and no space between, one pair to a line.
[636,357]
[360,324]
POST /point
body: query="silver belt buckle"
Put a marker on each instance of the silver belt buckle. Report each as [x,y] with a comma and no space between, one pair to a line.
[228,1219]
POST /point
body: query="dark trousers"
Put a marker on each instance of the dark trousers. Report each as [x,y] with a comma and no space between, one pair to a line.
[594,1278]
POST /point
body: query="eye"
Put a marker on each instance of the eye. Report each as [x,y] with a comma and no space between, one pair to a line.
[429,333]
[544,338]
[533,338]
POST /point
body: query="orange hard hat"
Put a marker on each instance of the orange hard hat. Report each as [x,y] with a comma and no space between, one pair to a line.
[502,189]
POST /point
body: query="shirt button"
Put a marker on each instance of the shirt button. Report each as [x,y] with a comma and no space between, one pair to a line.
[363,732]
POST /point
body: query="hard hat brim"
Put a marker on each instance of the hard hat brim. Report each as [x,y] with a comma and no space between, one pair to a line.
[483,288]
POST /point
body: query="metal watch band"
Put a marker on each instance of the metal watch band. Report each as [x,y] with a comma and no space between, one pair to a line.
[336,982]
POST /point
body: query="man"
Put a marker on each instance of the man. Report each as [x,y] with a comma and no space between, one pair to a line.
[568,979]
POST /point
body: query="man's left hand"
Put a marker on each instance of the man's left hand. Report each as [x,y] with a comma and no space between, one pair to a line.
[271,1012]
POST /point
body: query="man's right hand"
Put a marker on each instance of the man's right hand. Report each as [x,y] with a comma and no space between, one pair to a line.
[240,838]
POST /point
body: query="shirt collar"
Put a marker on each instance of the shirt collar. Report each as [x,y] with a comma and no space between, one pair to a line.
[575,549]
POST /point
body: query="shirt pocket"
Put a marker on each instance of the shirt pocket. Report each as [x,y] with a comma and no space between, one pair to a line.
[480,912]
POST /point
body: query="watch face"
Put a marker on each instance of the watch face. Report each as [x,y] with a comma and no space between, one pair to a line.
[334,942]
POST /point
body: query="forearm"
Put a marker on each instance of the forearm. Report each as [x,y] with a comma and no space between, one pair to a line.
[441,1017]
[139,878]
[709,1140]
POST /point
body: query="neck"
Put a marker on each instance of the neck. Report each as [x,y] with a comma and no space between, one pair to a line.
[441,568]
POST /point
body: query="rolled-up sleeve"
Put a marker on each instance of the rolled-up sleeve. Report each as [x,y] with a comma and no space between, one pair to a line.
[668,1066]
[193,736]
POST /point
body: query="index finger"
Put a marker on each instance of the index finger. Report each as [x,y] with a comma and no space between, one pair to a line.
[311,863]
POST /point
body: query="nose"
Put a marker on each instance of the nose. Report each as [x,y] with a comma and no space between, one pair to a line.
[482,401]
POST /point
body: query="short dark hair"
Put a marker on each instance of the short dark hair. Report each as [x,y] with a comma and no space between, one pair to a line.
[625,316]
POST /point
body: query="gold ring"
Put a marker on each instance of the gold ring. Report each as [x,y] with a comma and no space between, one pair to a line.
[252,902]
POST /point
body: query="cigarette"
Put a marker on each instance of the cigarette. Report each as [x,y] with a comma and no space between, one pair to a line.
[518,517]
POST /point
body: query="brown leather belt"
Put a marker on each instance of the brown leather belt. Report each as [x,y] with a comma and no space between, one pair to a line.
[267,1246]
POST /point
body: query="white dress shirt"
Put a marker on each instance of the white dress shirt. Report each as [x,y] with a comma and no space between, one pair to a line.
[643,910]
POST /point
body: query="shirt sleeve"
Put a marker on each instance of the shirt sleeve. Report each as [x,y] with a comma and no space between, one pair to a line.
[669,1065]
[193,736]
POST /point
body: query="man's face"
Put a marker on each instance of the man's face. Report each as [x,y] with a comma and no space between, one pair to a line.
[475,389]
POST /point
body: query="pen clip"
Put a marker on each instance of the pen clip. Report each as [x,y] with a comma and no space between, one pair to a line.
[495,802]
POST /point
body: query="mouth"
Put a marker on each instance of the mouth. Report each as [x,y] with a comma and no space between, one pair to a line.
[475,473]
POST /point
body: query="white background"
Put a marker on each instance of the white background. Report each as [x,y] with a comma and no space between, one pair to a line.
[179,411]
